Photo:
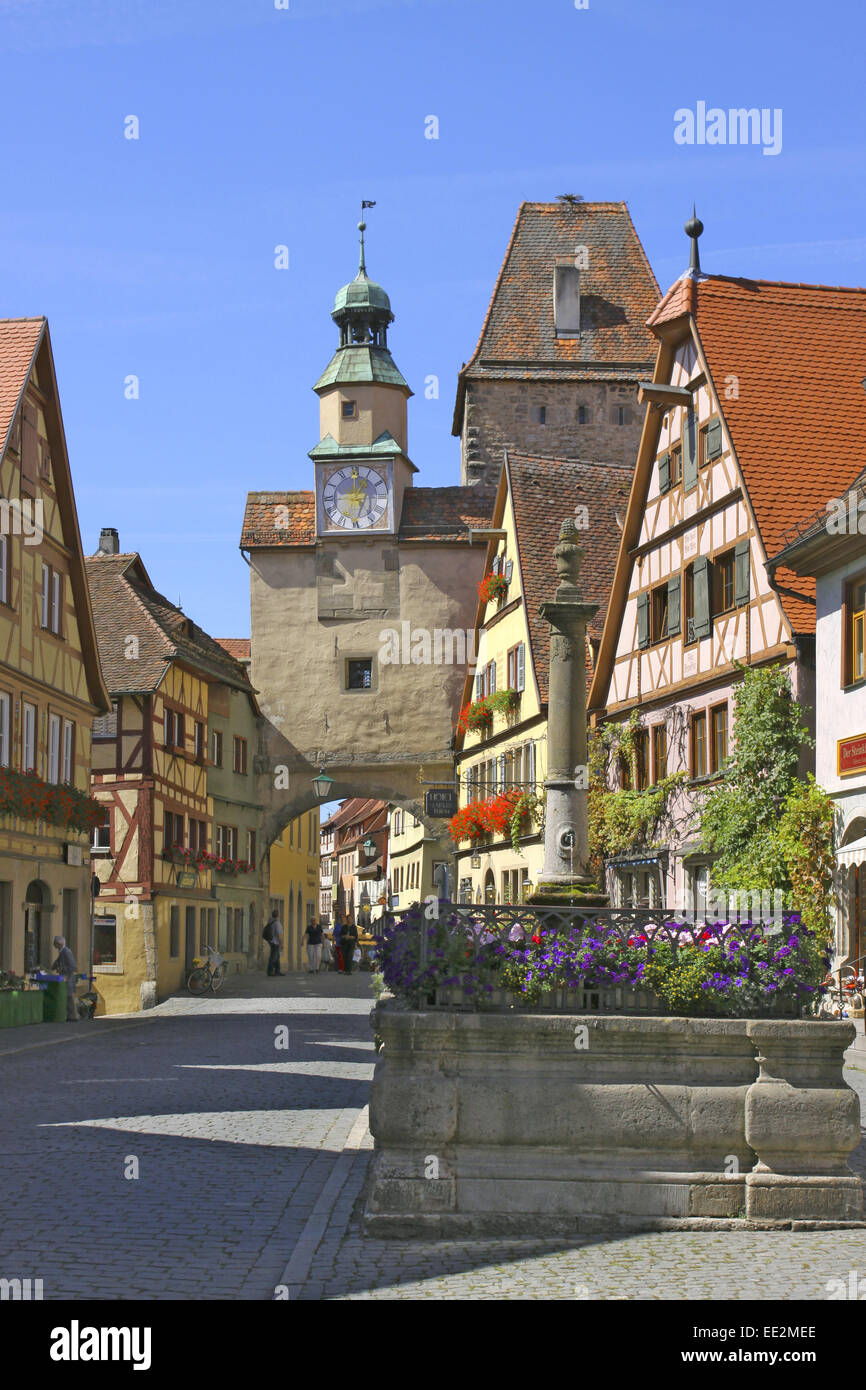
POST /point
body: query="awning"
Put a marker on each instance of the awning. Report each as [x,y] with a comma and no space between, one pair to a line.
[624,861]
[855,853]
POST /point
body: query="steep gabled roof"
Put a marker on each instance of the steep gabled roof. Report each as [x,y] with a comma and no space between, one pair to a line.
[125,604]
[786,363]
[617,292]
[798,418]
[544,491]
[25,345]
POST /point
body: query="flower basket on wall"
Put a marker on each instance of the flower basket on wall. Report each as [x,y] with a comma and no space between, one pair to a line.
[492,586]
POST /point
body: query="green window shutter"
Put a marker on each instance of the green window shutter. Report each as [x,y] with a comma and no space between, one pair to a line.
[714,439]
[741,573]
[665,473]
[690,451]
[643,632]
[673,605]
[703,589]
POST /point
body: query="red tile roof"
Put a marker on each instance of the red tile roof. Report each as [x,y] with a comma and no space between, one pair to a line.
[19,339]
[297,523]
[444,513]
[125,604]
[617,292]
[798,420]
[545,491]
[429,514]
[238,647]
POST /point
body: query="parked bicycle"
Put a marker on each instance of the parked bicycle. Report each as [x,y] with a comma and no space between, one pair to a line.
[208,974]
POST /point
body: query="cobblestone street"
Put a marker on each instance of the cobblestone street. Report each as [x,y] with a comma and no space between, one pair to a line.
[251,1161]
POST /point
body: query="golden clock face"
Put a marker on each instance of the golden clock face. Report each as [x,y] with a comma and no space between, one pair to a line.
[355,498]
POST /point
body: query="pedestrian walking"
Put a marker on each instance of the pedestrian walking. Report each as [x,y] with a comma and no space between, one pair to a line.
[348,942]
[313,934]
[66,966]
[338,955]
[273,934]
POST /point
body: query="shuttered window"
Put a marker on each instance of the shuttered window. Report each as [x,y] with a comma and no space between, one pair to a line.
[714,439]
[54,727]
[690,450]
[741,578]
[665,473]
[643,620]
[68,750]
[674,621]
[702,572]
[29,450]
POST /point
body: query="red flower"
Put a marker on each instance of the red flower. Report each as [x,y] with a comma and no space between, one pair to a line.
[537,940]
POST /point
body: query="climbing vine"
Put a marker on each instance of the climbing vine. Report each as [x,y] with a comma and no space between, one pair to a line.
[624,819]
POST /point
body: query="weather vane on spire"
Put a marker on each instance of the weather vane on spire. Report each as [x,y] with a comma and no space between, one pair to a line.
[362,227]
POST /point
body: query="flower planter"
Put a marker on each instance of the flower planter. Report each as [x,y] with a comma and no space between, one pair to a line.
[21,1006]
[582,1122]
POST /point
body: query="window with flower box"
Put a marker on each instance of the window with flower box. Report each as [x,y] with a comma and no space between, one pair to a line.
[54,732]
[172,830]
[5,725]
[68,771]
[28,737]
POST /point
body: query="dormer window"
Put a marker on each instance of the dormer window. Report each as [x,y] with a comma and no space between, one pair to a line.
[566,301]
[350,410]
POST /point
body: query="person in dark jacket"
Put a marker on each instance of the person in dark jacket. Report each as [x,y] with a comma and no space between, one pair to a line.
[313,935]
[348,942]
[66,966]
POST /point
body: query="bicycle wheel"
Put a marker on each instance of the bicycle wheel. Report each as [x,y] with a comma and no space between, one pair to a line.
[217,978]
[197,982]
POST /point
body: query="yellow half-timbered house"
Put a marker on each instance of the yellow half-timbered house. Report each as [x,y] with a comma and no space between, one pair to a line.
[159,854]
[501,742]
[50,682]
[744,439]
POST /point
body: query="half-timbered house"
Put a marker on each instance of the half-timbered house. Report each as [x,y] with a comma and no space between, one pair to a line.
[741,441]
[50,682]
[159,855]
[501,743]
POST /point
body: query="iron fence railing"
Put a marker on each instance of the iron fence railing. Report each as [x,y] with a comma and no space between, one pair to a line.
[475,927]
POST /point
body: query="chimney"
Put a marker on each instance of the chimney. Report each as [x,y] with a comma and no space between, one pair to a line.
[109,541]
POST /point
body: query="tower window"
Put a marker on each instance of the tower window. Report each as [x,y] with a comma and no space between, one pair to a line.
[359,674]
[350,410]
[540,414]
[582,415]
[621,415]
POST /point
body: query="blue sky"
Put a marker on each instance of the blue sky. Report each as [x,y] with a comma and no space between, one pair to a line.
[261,127]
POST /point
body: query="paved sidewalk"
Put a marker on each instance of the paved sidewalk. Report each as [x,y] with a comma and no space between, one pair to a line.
[243,1116]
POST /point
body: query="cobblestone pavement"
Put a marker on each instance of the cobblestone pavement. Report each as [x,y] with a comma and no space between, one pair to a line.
[251,1162]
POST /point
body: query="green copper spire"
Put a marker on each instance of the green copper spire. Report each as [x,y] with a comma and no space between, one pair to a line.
[362,311]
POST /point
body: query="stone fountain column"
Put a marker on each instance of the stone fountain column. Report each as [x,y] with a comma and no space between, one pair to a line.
[564,879]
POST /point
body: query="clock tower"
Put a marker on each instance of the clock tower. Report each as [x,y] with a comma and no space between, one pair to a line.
[362,467]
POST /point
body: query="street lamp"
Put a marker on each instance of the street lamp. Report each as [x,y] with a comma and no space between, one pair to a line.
[369,848]
[322,785]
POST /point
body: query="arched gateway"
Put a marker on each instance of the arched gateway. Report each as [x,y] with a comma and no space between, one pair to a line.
[363,591]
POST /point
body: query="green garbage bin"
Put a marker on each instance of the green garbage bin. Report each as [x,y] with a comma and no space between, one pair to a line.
[55,1001]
